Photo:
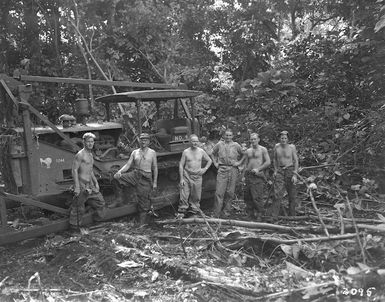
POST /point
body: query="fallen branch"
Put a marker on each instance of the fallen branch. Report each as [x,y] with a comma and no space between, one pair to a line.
[357,220]
[356,228]
[341,220]
[315,239]
[316,167]
[34,290]
[318,212]
[373,228]
[271,239]
[247,224]
[2,282]
[289,292]
[237,289]
[240,223]
[310,190]
[210,275]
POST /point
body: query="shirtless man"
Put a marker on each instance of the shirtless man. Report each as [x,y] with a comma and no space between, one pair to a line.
[86,187]
[143,176]
[285,168]
[257,160]
[190,172]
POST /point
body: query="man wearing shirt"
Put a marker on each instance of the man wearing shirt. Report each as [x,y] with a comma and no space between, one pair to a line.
[226,155]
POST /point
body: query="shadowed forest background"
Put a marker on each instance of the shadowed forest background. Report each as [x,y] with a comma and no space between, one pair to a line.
[314,68]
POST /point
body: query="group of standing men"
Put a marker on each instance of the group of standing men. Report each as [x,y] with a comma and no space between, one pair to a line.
[227,156]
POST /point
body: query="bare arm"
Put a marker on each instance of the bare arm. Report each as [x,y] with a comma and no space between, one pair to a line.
[295,159]
[240,162]
[240,154]
[266,160]
[95,181]
[125,167]
[214,155]
[75,174]
[245,158]
[295,162]
[275,160]
[155,169]
[208,159]
[181,166]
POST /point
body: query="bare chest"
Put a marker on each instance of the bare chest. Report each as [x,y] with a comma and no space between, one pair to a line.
[194,157]
[284,152]
[87,160]
[142,157]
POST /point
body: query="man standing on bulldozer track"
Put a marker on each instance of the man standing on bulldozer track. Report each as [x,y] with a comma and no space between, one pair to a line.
[143,177]
[86,187]
[190,172]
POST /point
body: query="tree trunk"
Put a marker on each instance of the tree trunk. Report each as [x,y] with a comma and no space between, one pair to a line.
[32,35]
[56,33]
[4,45]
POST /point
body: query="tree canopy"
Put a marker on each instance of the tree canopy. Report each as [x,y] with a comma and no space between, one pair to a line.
[311,67]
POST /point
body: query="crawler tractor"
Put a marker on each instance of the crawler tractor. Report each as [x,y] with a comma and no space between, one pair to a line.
[36,160]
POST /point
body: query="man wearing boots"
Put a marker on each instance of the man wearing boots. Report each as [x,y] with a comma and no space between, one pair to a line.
[86,187]
[143,176]
[190,172]
[226,155]
[257,160]
[285,168]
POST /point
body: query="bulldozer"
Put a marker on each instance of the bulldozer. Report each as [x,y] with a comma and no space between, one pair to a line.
[37,158]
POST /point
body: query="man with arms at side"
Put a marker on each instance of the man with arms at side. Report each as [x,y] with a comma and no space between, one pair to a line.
[257,160]
[143,177]
[190,172]
[285,162]
[226,154]
[86,187]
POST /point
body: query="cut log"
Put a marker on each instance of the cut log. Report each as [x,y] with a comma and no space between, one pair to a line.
[246,224]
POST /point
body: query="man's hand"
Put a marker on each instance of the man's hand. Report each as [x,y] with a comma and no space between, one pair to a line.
[255,171]
[201,172]
[181,183]
[294,179]
[77,191]
[154,186]
[118,175]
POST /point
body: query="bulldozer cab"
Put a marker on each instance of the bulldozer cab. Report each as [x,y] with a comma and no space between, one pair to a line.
[174,116]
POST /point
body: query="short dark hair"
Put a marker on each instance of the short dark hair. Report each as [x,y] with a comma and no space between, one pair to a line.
[88,135]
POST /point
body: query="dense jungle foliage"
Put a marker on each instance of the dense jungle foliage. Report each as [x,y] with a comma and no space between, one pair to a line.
[312,67]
